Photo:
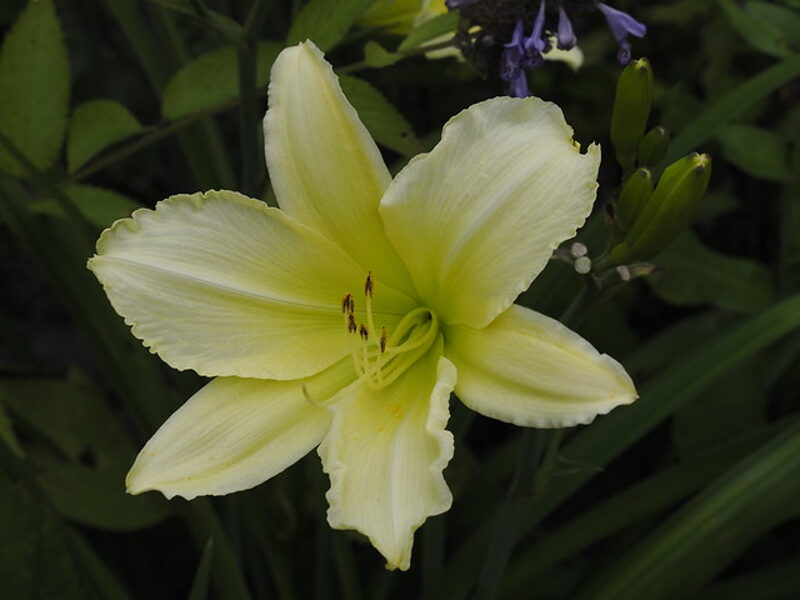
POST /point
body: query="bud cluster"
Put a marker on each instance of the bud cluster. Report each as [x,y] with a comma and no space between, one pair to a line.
[648,214]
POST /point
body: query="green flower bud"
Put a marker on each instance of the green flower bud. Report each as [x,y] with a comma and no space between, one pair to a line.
[633,197]
[668,211]
[653,146]
[631,109]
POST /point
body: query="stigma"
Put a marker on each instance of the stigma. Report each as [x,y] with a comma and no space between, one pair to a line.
[379,356]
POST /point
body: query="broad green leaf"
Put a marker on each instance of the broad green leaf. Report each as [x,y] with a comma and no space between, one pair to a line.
[94,126]
[695,275]
[384,122]
[34,87]
[326,22]
[703,537]
[97,498]
[35,558]
[757,151]
[100,206]
[212,79]
[437,26]
[377,56]
[72,415]
[761,34]
[731,105]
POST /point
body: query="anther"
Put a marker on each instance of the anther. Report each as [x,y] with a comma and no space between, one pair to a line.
[347,304]
[369,285]
[383,340]
[363,332]
[351,323]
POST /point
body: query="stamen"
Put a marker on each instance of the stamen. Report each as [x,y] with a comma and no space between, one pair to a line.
[351,323]
[380,359]
[369,285]
[347,306]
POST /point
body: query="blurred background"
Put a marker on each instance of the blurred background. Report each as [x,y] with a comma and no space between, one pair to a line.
[692,492]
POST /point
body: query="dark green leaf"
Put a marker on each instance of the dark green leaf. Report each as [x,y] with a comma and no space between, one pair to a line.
[377,56]
[35,559]
[72,416]
[202,576]
[326,22]
[94,126]
[384,122]
[761,34]
[436,27]
[34,87]
[694,275]
[647,498]
[731,105]
[775,582]
[733,407]
[785,20]
[213,79]
[97,498]
[7,434]
[757,151]
[101,207]
[592,448]
[699,540]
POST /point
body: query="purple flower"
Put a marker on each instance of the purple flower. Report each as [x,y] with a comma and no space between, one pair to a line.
[515,57]
[534,44]
[519,86]
[622,25]
[565,34]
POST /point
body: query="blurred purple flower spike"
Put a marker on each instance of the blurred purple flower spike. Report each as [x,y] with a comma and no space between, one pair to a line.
[622,25]
[565,34]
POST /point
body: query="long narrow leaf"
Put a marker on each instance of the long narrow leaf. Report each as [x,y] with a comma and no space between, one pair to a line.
[707,534]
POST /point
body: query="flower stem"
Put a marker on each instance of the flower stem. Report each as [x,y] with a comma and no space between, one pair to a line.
[509,517]
[253,174]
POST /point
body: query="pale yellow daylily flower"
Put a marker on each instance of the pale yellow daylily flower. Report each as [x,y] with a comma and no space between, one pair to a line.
[428,265]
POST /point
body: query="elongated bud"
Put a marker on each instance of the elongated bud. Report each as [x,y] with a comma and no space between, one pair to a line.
[653,147]
[668,211]
[631,109]
[633,197]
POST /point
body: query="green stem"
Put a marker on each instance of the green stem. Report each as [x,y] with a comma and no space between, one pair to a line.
[345,567]
[252,178]
[509,516]
[433,538]
[547,467]
[155,135]
[66,204]
[362,64]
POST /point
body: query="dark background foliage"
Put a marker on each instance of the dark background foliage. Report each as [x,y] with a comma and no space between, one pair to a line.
[692,492]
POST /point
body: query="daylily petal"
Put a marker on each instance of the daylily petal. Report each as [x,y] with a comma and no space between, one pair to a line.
[528,369]
[236,433]
[222,284]
[477,219]
[385,453]
[325,169]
